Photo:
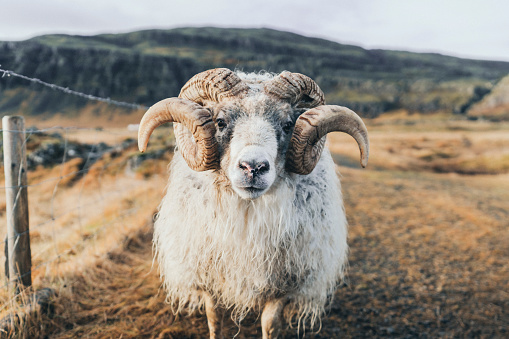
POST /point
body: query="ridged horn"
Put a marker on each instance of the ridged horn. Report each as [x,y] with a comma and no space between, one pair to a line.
[213,85]
[308,137]
[200,154]
[298,89]
[194,128]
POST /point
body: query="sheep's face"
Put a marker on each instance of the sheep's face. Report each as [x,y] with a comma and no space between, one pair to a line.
[240,126]
[253,135]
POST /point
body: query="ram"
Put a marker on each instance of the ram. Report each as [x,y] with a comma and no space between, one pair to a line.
[253,216]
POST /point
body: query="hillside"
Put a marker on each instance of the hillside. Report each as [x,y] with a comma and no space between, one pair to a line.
[146,66]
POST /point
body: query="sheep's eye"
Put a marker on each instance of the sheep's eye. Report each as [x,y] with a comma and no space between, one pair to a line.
[221,124]
[287,127]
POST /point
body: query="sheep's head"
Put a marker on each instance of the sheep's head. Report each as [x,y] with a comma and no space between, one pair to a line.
[252,131]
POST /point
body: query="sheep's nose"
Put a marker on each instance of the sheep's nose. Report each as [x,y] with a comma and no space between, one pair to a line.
[253,168]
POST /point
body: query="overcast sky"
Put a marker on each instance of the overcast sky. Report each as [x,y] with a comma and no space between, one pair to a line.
[467,28]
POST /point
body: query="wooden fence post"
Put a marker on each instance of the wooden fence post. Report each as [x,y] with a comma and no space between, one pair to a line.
[15,167]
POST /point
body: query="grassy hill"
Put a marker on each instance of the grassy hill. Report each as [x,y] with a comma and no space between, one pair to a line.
[146,66]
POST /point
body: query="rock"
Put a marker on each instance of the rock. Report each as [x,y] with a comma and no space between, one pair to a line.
[56,152]
[495,105]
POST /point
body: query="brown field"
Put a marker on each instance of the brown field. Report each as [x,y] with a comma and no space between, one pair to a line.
[429,239]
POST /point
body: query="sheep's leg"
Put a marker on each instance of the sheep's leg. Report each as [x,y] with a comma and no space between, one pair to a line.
[214,317]
[272,318]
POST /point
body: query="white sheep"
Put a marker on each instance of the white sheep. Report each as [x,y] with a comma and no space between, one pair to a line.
[253,216]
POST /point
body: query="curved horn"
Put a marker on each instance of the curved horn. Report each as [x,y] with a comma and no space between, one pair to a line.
[213,85]
[209,86]
[200,154]
[298,89]
[308,139]
[196,137]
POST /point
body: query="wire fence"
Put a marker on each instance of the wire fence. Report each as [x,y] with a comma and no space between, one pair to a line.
[8,73]
[101,176]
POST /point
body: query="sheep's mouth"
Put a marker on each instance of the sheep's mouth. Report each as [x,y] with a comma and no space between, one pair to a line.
[251,192]
[253,189]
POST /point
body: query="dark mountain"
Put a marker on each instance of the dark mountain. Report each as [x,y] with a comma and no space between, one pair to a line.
[146,66]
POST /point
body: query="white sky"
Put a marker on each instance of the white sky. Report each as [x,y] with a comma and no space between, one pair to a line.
[476,29]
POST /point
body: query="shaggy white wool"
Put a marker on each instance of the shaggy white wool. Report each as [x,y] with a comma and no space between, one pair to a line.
[251,78]
[290,241]
[255,80]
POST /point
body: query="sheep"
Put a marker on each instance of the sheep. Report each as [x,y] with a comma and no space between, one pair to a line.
[253,216]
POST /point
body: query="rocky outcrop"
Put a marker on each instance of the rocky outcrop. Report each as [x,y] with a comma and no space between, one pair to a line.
[495,105]
[52,149]
[58,152]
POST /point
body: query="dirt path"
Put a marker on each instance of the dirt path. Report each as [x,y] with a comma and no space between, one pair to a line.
[429,258]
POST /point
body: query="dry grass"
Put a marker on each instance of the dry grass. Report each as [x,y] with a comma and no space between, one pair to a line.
[76,217]
[433,144]
[93,115]
[429,254]
[435,249]
[113,136]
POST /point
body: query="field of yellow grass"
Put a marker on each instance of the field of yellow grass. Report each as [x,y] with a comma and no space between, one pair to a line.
[429,235]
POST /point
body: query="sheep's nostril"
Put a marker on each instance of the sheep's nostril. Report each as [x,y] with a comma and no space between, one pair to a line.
[263,167]
[254,168]
[245,166]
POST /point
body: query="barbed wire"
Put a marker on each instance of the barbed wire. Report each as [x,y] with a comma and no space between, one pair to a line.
[70,128]
[88,165]
[45,130]
[70,91]
[63,176]
[67,211]
[85,169]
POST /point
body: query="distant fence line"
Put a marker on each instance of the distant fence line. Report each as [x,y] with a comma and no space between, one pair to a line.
[70,91]
[15,236]
[42,131]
